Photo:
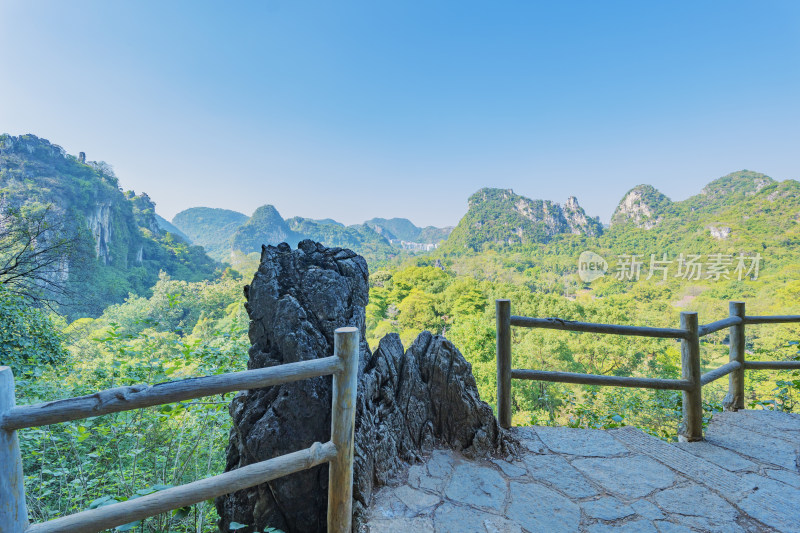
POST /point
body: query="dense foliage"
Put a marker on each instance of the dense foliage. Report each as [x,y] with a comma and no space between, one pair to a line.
[183,330]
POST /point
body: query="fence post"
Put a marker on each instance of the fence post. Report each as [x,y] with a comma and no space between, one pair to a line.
[13,513]
[343,414]
[692,426]
[503,308]
[734,400]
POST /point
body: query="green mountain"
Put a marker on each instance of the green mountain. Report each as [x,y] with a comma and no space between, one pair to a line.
[402,229]
[117,246]
[210,228]
[266,226]
[743,211]
[359,237]
[501,217]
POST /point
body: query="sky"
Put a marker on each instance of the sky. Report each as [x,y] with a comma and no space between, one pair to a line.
[361,109]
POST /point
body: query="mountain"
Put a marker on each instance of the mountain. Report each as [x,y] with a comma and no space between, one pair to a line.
[500,216]
[742,211]
[359,237]
[266,226]
[222,232]
[402,229]
[167,226]
[210,228]
[118,246]
[643,206]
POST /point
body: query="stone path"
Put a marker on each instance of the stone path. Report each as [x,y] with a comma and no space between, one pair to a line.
[743,477]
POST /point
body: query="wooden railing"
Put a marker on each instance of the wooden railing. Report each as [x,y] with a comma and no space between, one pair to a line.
[691,382]
[338,451]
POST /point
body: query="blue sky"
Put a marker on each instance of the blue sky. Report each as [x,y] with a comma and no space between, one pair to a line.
[353,110]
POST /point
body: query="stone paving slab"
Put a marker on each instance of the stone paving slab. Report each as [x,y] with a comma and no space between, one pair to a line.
[758,446]
[607,481]
[679,459]
[719,456]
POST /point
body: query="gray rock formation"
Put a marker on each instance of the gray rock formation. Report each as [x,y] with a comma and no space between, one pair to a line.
[295,302]
[408,401]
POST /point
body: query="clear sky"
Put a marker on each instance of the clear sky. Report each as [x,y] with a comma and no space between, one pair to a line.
[358,109]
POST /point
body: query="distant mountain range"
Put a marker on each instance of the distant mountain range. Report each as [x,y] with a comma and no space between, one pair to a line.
[222,232]
[122,244]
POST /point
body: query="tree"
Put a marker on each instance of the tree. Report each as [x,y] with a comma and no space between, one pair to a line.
[35,251]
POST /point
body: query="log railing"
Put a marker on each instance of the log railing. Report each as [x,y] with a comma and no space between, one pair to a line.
[338,451]
[691,382]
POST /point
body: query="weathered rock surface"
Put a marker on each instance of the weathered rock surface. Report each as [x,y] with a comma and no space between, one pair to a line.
[409,401]
[296,301]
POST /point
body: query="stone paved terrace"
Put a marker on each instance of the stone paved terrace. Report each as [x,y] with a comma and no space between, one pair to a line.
[744,477]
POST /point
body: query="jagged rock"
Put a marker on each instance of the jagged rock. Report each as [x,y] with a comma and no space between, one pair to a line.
[408,400]
[295,302]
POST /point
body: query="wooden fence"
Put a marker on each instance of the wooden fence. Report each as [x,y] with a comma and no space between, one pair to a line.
[338,451]
[691,382]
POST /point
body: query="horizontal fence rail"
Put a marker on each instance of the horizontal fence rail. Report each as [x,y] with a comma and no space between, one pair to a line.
[595,379]
[720,372]
[772,365]
[691,381]
[720,324]
[190,493]
[139,396]
[343,365]
[771,319]
[589,327]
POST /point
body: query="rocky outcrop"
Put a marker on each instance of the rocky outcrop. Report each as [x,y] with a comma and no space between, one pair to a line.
[719,232]
[501,216]
[577,221]
[408,400]
[296,301]
[643,206]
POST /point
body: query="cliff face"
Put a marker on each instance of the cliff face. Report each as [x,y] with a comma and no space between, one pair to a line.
[114,231]
[500,216]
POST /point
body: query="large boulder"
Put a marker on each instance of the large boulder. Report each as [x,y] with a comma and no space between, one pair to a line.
[408,401]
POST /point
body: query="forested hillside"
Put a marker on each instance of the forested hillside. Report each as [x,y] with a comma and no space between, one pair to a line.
[402,229]
[113,242]
[210,228]
[738,239]
[500,217]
